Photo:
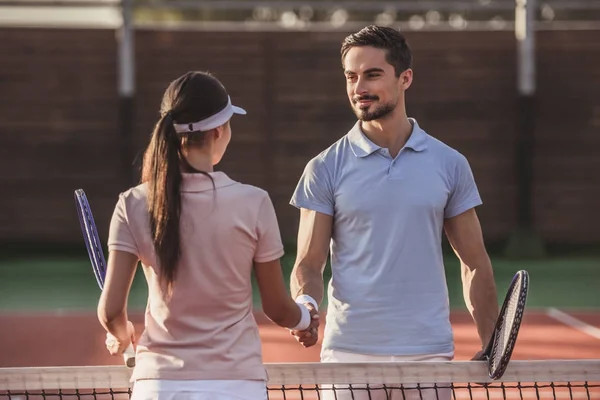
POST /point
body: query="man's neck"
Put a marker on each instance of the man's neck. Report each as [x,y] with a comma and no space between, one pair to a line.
[391,132]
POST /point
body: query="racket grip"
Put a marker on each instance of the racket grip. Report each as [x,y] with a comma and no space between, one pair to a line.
[129,356]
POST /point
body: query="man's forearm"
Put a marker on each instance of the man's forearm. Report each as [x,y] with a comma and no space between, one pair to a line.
[480,296]
[306,280]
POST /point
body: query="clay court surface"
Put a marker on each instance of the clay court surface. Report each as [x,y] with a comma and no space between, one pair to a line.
[76,338]
[47,313]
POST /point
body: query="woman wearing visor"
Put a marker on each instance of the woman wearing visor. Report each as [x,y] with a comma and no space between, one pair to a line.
[198,235]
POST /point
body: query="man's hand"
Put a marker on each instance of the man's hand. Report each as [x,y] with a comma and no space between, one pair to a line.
[310,336]
[479,356]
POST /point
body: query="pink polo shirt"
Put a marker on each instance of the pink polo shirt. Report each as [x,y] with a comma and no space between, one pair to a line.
[206,330]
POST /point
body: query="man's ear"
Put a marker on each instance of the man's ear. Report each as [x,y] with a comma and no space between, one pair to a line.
[406,79]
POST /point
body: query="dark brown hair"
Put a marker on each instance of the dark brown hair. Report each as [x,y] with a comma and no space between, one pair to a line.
[188,99]
[398,52]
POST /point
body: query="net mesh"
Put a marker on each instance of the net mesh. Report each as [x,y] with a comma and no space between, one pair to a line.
[572,379]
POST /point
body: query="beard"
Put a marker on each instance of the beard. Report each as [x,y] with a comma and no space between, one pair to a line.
[371,112]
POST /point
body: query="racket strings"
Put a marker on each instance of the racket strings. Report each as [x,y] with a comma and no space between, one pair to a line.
[504,333]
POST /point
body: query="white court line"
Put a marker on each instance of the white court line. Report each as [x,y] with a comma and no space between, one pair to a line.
[573,322]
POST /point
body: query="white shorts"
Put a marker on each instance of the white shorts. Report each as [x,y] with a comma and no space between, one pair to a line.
[161,389]
[378,392]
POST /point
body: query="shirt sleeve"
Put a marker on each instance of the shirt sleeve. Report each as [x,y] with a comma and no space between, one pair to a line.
[315,188]
[270,246]
[120,236]
[464,194]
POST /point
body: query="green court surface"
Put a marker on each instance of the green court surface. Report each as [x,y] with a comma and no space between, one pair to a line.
[67,283]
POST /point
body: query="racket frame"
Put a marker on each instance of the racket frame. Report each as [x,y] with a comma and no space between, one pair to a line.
[523,277]
[96,254]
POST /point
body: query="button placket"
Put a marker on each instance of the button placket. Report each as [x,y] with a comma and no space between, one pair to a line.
[393,162]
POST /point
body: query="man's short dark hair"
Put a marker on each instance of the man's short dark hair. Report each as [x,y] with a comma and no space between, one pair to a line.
[394,43]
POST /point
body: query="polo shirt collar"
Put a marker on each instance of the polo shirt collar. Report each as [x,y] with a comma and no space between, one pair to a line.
[362,146]
[195,182]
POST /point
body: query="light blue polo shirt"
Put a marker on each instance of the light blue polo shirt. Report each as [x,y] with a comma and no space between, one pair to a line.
[388,293]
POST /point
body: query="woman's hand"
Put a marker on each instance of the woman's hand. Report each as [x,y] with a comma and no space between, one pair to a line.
[118,346]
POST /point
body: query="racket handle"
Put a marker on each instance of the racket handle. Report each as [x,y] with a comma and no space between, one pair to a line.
[129,356]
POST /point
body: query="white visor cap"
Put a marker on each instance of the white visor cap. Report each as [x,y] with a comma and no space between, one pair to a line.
[211,122]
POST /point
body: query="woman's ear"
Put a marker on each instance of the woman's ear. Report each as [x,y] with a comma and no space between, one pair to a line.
[218,132]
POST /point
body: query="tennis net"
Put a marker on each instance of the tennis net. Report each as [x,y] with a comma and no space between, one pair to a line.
[456,380]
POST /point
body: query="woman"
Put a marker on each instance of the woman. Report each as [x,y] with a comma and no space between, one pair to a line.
[199,235]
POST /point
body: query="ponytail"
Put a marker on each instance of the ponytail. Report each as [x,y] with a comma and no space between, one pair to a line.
[161,171]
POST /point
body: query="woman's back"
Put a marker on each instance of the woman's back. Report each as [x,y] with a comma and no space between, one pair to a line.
[206,327]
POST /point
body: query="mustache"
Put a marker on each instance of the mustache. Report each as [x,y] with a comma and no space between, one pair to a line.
[356,99]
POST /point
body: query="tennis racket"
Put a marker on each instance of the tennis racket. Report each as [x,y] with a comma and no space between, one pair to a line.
[94,248]
[502,343]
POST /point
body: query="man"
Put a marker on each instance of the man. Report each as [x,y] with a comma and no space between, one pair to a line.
[379,199]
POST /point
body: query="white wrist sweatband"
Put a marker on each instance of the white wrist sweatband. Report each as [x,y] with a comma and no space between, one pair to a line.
[304,322]
[304,298]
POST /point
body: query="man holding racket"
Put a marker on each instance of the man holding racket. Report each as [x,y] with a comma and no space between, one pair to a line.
[379,199]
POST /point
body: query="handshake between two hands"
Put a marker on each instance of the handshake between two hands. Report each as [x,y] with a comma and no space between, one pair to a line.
[310,335]
[306,338]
